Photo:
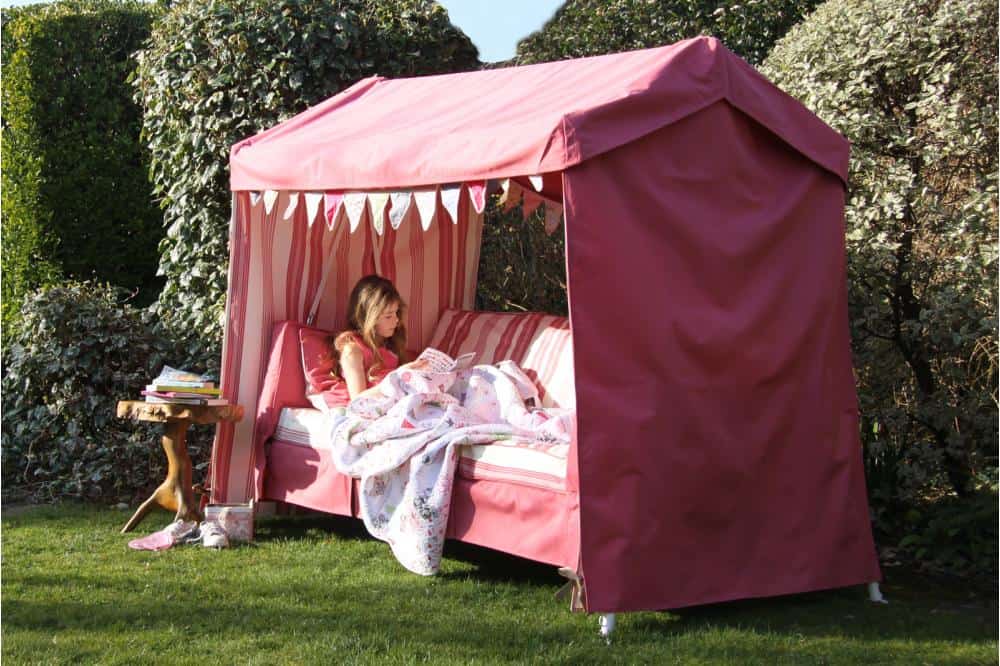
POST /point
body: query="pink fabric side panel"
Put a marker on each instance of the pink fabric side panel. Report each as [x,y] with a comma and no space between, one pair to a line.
[306,477]
[743,476]
[235,320]
[529,522]
[283,386]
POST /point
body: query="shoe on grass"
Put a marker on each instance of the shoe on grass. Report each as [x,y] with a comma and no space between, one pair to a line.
[175,532]
[213,536]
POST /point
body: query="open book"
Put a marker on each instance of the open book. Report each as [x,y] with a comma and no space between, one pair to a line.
[438,361]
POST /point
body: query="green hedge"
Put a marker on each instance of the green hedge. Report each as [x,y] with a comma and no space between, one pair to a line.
[76,199]
[593,27]
[217,72]
[81,349]
[913,85]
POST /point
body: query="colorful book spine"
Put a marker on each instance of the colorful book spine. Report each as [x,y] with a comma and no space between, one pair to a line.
[180,388]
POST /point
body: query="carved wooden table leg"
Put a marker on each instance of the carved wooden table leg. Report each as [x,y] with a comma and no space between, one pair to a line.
[175,493]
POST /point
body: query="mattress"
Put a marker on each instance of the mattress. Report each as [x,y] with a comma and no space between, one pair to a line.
[510,461]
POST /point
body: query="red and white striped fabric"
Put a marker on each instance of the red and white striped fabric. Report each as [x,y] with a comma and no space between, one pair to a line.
[541,344]
[276,267]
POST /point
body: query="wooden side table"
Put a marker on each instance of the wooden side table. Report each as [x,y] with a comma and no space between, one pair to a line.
[175,493]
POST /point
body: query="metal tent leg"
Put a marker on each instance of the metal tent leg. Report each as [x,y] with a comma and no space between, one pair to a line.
[607,621]
[875,594]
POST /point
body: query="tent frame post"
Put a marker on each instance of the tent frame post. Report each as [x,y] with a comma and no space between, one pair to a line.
[875,594]
[607,622]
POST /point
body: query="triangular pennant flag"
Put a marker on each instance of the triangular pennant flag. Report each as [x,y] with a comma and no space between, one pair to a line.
[426,204]
[331,207]
[400,204]
[377,201]
[313,200]
[254,198]
[449,200]
[513,195]
[270,196]
[477,194]
[553,216]
[536,182]
[293,201]
[504,190]
[531,202]
[354,206]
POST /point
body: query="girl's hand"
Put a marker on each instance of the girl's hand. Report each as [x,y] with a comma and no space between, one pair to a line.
[419,364]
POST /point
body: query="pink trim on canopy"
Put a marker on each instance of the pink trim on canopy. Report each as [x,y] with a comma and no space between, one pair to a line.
[516,121]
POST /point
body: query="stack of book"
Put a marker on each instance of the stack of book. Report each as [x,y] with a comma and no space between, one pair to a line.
[181,387]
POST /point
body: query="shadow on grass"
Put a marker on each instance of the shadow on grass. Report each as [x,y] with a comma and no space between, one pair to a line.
[379,600]
[490,565]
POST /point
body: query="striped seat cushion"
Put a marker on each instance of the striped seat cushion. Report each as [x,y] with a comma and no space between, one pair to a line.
[540,344]
[511,461]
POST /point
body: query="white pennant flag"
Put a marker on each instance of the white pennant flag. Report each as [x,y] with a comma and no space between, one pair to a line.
[254,198]
[377,201]
[293,201]
[536,182]
[313,200]
[553,215]
[426,204]
[449,200]
[270,196]
[354,206]
[400,205]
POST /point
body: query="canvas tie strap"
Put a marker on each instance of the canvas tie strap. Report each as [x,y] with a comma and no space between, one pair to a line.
[572,590]
[319,293]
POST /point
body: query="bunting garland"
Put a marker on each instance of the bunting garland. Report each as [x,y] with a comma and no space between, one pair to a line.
[397,204]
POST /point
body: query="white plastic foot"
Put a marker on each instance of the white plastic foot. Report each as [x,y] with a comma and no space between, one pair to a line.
[875,594]
[607,626]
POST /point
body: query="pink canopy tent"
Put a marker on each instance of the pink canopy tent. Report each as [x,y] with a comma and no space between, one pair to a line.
[718,454]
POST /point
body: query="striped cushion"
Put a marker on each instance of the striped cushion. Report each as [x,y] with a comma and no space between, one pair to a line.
[541,344]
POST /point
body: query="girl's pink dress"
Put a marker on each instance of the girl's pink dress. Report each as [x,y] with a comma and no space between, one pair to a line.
[338,396]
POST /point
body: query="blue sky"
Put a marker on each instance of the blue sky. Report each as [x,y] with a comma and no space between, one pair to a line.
[494,26]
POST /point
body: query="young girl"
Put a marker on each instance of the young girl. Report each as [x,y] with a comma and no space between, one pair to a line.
[374,343]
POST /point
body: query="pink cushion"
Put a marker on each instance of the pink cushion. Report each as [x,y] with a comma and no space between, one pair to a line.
[541,344]
[317,360]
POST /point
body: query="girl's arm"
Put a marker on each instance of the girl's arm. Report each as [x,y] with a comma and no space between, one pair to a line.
[352,366]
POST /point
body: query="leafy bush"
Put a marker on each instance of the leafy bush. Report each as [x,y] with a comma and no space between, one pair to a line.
[593,27]
[520,267]
[80,350]
[75,198]
[954,535]
[217,72]
[913,85]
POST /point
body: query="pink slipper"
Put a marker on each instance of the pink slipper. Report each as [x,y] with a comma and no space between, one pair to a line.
[166,537]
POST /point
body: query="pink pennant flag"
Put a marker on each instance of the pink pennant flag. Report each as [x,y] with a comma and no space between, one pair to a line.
[512,195]
[331,207]
[553,216]
[477,194]
[531,202]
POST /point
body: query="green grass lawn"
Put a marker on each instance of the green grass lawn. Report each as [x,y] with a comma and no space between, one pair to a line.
[319,590]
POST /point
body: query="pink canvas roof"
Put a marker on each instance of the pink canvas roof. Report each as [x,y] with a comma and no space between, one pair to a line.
[428,130]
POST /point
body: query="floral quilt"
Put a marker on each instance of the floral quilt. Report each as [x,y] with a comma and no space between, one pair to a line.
[403,446]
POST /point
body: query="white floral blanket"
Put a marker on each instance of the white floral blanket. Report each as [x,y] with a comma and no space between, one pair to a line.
[403,447]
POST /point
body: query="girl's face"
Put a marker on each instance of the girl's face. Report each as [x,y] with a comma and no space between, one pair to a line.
[388,320]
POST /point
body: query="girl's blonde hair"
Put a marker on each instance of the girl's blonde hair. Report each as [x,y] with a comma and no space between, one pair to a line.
[369,298]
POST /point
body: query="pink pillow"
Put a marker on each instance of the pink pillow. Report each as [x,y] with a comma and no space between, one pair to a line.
[317,360]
